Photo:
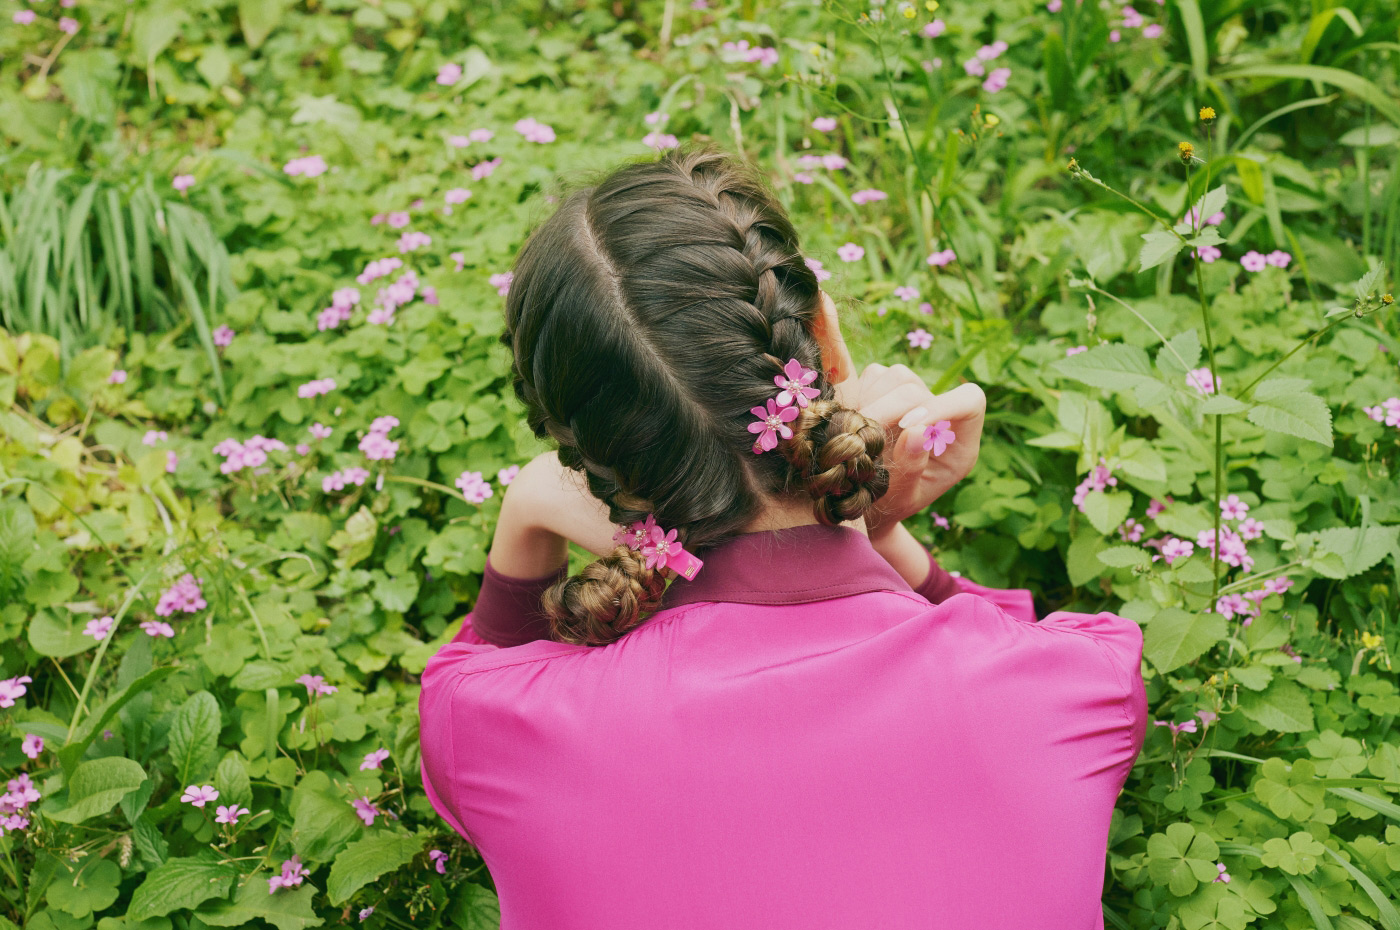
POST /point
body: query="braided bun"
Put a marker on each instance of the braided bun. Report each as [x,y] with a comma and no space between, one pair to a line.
[835,452]
[604,600]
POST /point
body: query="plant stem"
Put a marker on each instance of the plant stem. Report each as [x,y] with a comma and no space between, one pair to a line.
[106,641]
[1293,351]
[1215,382]
[1145,321]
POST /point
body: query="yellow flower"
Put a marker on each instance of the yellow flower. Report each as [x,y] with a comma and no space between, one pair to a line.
[992,119]
[1371,640]
[1387,299]
[816,50]
[1207,114]
[1186,150]
[1073,165]
[909,12]
[931,6]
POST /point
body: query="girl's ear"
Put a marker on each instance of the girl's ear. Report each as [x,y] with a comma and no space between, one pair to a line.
[826,328]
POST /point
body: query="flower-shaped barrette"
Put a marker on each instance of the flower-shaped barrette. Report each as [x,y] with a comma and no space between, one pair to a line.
[772,421]
[661,549]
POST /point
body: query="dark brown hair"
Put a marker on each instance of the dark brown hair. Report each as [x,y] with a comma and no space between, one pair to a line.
[646,317]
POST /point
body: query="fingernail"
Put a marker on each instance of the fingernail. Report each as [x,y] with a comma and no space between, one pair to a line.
[912,416]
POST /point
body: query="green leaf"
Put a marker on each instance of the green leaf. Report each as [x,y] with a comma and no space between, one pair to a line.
[1187,345]
[1181,858]
[1283,707]
[231,781]
[91,887]
[57,638]
[1116,366]
[194,735]
[1337,77]
[1378,135]
[1223,404]
[180,883]
[1390,918]
[1125,557]
[366,860]
[1285,406]
[97,785]
[1368,284]
[1175,637]
[1352,551]
[73,752]
[1308,897]
[477,908]
[1158,247]
[258,18]
[1107,511]
[323,825]
[288,909]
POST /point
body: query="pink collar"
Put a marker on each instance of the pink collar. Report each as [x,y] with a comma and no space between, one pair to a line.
[797,565]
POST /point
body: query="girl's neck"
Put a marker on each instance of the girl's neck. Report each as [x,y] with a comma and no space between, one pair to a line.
[783,513]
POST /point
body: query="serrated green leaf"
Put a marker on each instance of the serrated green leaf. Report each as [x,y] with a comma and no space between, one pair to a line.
[1222,404]
[1107,511]
[97,785]
[365,860]
[288,909]
[1183,349]
[1158,247]
[178,884]
[1116,366]
[1347,551]
[1125,557]
[1175,637]
[1283,707]
[1282,406]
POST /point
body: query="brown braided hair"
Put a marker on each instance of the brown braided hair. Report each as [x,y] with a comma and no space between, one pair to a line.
[645,318]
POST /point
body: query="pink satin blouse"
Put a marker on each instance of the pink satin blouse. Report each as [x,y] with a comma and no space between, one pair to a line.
[796,741]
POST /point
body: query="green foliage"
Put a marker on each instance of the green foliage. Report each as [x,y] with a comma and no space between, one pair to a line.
[1280,763]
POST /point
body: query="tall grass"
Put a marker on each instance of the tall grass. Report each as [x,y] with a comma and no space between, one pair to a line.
[80,260]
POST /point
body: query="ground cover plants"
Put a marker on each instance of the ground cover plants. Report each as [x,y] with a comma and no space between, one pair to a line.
[255,422]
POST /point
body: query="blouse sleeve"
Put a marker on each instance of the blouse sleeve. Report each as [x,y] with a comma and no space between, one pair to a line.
[940,585]
[507,611]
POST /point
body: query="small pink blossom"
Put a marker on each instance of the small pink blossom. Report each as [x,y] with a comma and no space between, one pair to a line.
[1192,218]
[974,67]
[365,912]
[656,119]
[660,141]
[869,195]
[457,195]
[1202,380]
[1232,508]
[473,487]
[69,25]
[939,437]
[412,241]
[157,628]
[316,388]
[118,376]
[1100,478]
[439,860]
[926,308]
[919,338]
[316,685]
[508,474]
[310,166]
[1075,350]
[1174,549]
[460,258]
[1188,726]
[398,220]
[1208,254]
[940,259]
[481,135]
[199,796]
[1207,717]
[374,760]
[1253,261]
[850,252]
[319,431]
[940,521]
[821,273]
[934,29]
[996,81]
[771,423]
[32,745]
[154,437]
[230,813]
[1224,876]
[1054,6]
[172,461]
[182,182]
[449,74]
[12,689]
[1156,507]
[1278,585]
[458,142]
[1131,530]
[534,131]
[223,336]
[366,810]
[293,874]
[501,282]
[98,629]
[379,268]
[485,169]
[1251,529]
[907,293]
[24,17]
[1278,258]
[1115,36]
[824,123]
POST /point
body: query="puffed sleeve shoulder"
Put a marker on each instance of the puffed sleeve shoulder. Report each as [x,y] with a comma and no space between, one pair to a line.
[1120,639]
[437,730]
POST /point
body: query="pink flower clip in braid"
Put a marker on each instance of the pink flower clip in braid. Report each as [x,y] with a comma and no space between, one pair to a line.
[662,549]
[771,424]
[794,382]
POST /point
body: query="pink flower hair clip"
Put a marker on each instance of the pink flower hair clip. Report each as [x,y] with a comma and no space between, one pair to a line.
[661,549]
[794,382]
[771,424]
[939,437]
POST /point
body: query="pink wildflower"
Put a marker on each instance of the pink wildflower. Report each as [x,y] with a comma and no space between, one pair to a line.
[458,142]
[449,74]
[378,268]
[32,745]
[484,169]
[939,437]
[230,813]
[398,219]
[316,387]
[439,859]
[320,431]
[293,873]
[940,521]
[411,241]
[182,182]
[12,689]
[184,595]
[1224,876]
[1131,530]
[1253,261]
[310,166]
[1174,549]
[996,81]
[473,486]
[974,67]
[824,123]
[534,131]
[374,760]
[1153,31]
[365,912]
[69,25]
[118,376]
[821,273]
[919,338]
[660,141]
[1054,6]
[223,336]
[1100,478]
[1156,507]
[1208,254]
[154,437]
[935,29]
[1202,380]
[501,282]
[199,796]
[945,257]
[24,17]
[460,258]
[508,474]
[1188,726]
[1278,258]
[316,685]
[457,195]
[366,810]
[157,628]
[172,461]
[1232,508]
[869,195]
[850,252]
[1251,529]
[1278,585]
